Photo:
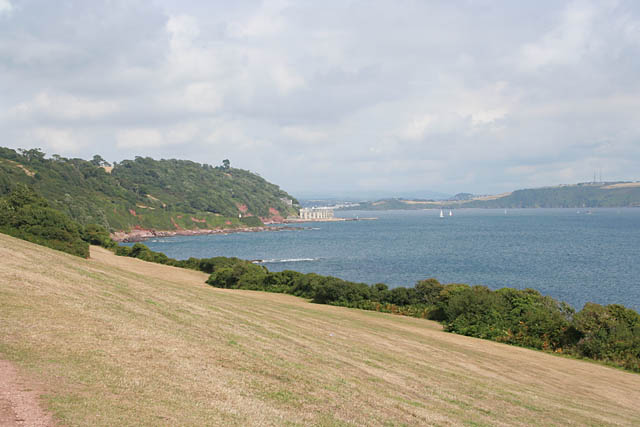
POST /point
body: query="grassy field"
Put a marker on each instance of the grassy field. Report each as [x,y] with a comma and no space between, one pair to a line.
[117,341]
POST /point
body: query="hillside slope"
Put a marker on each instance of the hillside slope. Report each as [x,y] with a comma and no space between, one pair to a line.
[599,195]
[118,341]
[146,193]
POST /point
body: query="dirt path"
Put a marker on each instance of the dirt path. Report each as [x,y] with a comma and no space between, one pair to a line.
[19,400]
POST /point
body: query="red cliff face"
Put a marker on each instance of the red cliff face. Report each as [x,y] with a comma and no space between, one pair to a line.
[274,217]
[175,224]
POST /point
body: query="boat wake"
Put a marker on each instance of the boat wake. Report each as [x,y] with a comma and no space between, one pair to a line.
[274,261]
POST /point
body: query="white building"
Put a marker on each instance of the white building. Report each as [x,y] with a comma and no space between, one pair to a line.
[316,213]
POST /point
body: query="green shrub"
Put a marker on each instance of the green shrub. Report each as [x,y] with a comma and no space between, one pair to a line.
[96,234]
[26,215]
[251,221]
[610,333]
[334,291]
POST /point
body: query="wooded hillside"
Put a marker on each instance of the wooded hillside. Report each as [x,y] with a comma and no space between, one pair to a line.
[146,193]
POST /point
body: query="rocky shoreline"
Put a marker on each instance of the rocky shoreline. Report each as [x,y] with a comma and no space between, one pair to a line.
[140,235]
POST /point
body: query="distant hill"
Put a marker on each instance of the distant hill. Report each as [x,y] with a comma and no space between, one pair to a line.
[585,195]
[146,193]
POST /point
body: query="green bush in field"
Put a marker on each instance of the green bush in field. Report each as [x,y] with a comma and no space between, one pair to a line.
[610,333]
[26,215]
[332,290]
[96,234]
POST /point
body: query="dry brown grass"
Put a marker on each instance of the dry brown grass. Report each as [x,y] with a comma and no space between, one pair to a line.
[418,202]
[118,341]
[621,185]
[492,197]
[453,202]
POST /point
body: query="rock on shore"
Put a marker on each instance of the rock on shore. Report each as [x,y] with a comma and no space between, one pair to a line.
[141,234]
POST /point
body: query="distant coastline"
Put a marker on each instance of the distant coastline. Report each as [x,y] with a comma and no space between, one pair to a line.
[616,194]
[142,234]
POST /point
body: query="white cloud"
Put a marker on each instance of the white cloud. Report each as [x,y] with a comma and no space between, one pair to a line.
[565,44]
[152,138]
[181,134]
[303,134]
[266,21]
[186,59]
[59,140]
[417,127]
[286,78]
[140,138]
[63,106]
[202,97]
[5,7]
[487,116]
[229,133]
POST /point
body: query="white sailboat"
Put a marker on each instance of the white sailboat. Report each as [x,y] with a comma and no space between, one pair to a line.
[441,214]
[450,212]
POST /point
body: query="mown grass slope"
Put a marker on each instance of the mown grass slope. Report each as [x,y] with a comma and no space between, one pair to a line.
[118,341]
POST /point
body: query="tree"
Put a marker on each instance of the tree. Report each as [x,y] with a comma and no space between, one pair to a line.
[34,154]
[428,291]
[99,161]
[226,164]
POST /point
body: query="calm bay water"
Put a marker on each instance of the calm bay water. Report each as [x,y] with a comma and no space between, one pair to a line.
[570,255]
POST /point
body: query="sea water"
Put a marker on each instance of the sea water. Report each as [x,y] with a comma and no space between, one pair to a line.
[573,255]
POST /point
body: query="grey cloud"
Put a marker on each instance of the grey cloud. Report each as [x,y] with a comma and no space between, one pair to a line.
[479,96]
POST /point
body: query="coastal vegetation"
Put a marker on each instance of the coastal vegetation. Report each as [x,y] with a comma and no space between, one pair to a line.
[521,317]
[146,193]
[26,215]
[585,195]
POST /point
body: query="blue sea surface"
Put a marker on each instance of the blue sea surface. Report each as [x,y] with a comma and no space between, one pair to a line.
[573,255]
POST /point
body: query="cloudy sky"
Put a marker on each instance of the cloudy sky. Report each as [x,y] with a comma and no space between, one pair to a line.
[344,98]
